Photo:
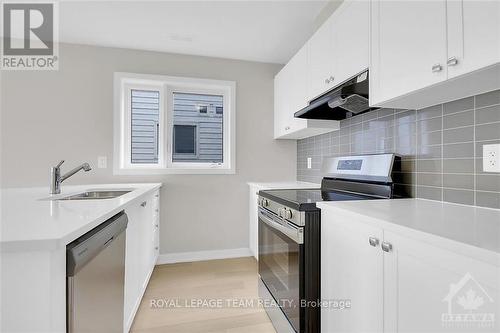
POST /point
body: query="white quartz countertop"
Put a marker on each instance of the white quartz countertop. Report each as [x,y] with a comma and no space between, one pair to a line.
[433,221]
[31,221]
[284,185]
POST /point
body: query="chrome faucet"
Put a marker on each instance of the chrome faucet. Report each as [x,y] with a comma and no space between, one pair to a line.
[56,179]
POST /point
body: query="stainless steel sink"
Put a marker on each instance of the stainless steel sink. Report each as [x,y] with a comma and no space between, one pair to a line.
[96,195]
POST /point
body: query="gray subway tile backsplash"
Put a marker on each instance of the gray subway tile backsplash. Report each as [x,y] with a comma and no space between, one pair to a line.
[487,99]
[488,132]
[441,148]
[458,105]
[464,197]
[460,119]
[488,114]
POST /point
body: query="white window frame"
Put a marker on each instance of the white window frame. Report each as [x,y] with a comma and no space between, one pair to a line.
[167,85]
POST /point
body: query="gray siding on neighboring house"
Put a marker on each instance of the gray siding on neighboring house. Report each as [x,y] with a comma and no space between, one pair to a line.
[145,118]
[209,125]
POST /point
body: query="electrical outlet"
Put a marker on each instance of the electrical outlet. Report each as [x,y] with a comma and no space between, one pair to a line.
[309,162]
[102,162]
[491,158]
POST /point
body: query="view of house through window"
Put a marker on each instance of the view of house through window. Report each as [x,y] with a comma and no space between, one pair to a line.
[185,142]
[145,126]
[166,124]
[197,128]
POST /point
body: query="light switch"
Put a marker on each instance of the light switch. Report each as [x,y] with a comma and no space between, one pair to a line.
[102,162]
[309,162]
[491,158]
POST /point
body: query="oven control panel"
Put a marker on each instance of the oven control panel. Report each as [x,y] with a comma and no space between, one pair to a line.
[281,211]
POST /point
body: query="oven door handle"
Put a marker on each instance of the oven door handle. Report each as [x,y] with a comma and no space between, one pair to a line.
[290,230]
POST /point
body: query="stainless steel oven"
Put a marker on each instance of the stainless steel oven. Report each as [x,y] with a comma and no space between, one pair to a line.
[281,256]
[289,235]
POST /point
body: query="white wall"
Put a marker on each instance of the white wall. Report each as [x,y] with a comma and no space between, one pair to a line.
[67,114]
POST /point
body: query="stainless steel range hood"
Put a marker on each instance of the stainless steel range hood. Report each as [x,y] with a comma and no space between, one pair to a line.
[343,101]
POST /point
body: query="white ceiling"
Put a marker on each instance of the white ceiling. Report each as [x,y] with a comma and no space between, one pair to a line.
[266,31]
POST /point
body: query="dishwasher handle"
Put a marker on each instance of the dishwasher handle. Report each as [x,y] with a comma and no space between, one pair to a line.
[85,248]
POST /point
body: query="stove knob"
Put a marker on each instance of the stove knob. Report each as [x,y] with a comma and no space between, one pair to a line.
[288,213]
[265,203]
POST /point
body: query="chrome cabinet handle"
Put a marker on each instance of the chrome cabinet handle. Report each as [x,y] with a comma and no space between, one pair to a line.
[327,81]
[143,204]
[332,78]
[386,247]
[437,68]
[373,241]
[452,61]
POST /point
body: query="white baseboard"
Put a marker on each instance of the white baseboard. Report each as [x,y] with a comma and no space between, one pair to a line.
[170,258]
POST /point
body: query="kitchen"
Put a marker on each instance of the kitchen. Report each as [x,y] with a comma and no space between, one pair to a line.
[218,164]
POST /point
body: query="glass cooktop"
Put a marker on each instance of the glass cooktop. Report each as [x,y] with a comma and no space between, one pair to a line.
[306,197]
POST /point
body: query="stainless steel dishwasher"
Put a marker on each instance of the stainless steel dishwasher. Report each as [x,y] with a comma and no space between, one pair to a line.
[95,275]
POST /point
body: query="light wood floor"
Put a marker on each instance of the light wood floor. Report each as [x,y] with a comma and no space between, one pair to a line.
[213,280]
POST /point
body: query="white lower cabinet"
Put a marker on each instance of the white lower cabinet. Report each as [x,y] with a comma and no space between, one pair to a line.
[141,252]
[253,221]
[351,270]
[426,286]
[411,286]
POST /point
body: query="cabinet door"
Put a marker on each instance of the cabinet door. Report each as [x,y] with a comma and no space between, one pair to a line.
[408,47]
[279,104]
[351,269]
[146,246]
[155,239]
[253,221]
[426,285]
[132,262]
[320,61]
[297,89]
[473,35]
[350,30]
[290,89]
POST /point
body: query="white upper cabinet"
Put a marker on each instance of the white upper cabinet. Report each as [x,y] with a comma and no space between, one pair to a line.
[290,95]
[340,48]
[337,51]
[473,35]
[320,77]
[408,47]
[351,39]
[429,52]
[296,92]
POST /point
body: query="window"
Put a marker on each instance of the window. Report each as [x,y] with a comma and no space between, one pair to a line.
[203,109]
[173,125]
[208,133]
[185,142]
[145,110]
